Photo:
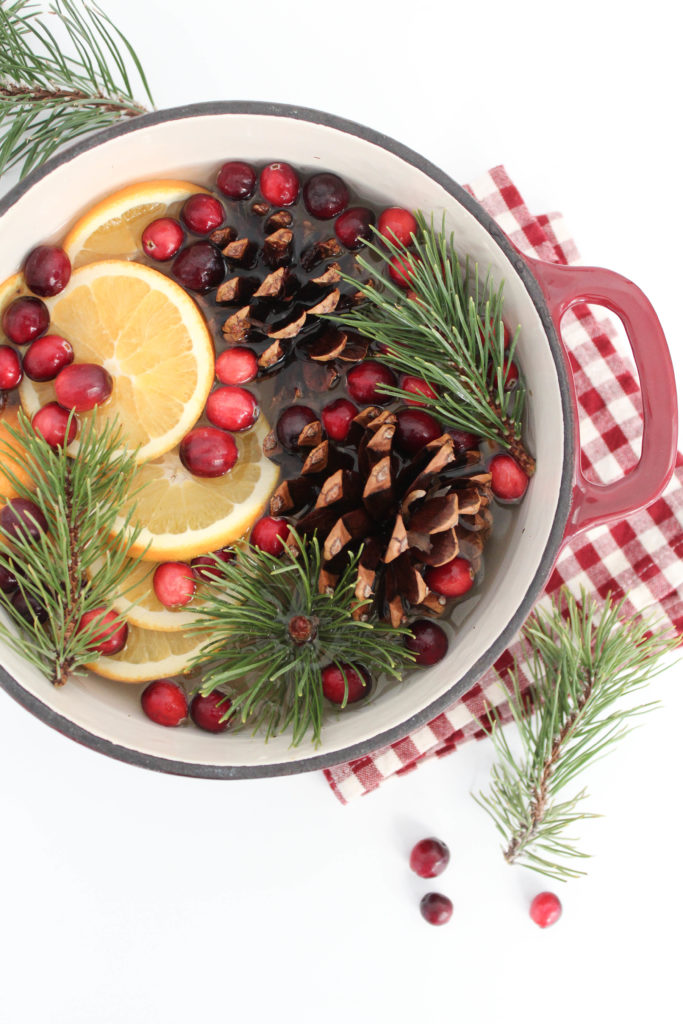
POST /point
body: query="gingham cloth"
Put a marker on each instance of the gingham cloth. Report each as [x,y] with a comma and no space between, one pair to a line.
[640,558]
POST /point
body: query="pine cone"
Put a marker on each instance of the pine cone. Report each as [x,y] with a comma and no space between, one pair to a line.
[407,514]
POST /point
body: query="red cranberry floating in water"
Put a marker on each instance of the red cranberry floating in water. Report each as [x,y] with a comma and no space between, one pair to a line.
[232,408]
[417,386]
[337,418]
[335,686]
[207,451]
[206,567]
[236,179]
[436,908]
[82,386]
[47,270]
[353,227]
[236,366]
[508,480]
[415,429]
[397,225]
[545,909]
[453,579]
[200,267]
[494,332]
[174,584]
[52,422]
[428,643]
[364,380]
[290,424]
[46,356]
[270,535]
[162,238]
[10,368]
[25,319]
[22,519]
[110,635]
[206,712]
[463,441]
[325,195]
[279,184]
[8,581]
[164,702]
[429,858]
[401,270]
[202,213]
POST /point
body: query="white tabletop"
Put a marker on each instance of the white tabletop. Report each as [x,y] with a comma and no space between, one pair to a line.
[135,898]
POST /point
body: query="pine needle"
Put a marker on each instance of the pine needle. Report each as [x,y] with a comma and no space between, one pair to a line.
[50,94]
[583,662]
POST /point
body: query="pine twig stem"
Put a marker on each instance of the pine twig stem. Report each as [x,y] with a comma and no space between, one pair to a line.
[76,97]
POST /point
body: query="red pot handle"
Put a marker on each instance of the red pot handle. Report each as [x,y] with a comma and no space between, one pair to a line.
[594,504]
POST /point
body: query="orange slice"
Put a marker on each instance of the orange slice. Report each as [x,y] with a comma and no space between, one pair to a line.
[183,515]
[149,654]
[11,455]
[113,228]
[151,337]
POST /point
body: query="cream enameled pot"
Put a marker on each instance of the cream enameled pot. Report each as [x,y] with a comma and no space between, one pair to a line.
[191,143]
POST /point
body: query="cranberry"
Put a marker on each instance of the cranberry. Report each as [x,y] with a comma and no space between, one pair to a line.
[279,184]
[270,535]
[174,584]
[52,422]
[110,633]
[205,567]
[397,225]
[236,179]
[29,607]
[290,424]
[436,908]
[200,267]
[82,386]
[453,579]
[10,368]
[206,451]
[417,386]
[8,581]
[162,238]
[401,270]
[236,366]
[202,213]
[428,643]
[46,356]
[508,480]
[463,441]
[336,682]
[207,712]
[232,408]
[364,379]
[21,519]
[545,909]
[415,428]
[337,418]
[47,270]
[494,332]
[25,319]
[354,226]
[510,373]
[429,858]
[325,195]
[164,702]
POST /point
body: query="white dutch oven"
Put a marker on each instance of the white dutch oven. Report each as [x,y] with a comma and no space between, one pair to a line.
[192,143]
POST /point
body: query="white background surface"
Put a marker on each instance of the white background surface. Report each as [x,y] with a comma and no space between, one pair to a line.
[140,898]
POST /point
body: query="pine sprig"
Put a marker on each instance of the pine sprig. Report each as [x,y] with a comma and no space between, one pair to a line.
[583,662]
[268,627]
[80,499]
[448,330]
[49,97]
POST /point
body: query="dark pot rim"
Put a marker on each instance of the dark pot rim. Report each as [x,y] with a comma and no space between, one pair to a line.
[446,700]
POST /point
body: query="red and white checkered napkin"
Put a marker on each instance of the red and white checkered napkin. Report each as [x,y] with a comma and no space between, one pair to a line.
[640,557]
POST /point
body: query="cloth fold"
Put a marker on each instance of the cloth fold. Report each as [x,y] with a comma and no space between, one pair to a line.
[639,558]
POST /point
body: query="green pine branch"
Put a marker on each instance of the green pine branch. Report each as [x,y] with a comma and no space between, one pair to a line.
[73,567]
[583,661]
[51,94]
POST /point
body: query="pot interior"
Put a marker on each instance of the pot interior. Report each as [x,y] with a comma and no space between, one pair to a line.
[193,147]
